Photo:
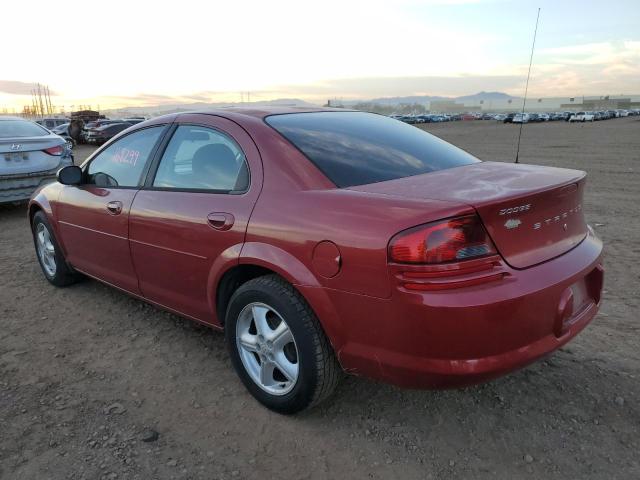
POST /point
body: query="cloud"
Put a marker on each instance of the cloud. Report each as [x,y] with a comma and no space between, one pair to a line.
[591,68]
[14,87]
[153,99]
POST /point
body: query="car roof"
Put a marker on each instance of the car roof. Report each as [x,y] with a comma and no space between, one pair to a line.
[262,112]
[8,117]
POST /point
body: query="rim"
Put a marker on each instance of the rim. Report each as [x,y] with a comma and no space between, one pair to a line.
[267,348]
[46,250]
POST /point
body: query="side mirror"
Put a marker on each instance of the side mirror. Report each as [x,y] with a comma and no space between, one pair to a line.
[70,175]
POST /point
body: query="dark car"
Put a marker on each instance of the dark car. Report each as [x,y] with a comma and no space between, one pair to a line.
[326,240]
[509,118]
[101,134]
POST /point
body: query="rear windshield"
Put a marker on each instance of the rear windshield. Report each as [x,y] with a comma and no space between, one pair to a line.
[357,148]
[21,128]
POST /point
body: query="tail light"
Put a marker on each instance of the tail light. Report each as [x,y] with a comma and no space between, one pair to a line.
[57,150]
[451,240]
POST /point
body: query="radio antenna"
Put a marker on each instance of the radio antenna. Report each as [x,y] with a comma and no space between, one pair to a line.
[526,88]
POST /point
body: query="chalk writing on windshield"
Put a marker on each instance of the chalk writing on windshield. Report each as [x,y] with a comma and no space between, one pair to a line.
[126,156]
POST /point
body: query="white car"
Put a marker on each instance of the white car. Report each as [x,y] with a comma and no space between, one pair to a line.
[583,117]
[521,118]
[30,155]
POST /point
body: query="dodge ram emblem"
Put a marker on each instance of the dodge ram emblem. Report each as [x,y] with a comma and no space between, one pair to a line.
[512,223]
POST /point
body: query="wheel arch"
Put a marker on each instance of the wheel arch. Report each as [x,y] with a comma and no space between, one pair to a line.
[262,259]
[33,209]
[254,260]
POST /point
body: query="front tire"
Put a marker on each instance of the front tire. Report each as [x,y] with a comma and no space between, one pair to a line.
[278,347]
[52,261]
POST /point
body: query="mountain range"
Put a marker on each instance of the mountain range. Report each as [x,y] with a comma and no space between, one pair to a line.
[412,99]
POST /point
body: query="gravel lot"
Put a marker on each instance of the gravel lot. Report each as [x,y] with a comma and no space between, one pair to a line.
[87,374]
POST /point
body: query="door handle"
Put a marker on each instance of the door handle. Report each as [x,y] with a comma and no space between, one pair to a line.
[220,221]
[115,207]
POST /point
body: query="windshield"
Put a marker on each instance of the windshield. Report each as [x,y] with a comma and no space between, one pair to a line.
[21,128]
[357,148]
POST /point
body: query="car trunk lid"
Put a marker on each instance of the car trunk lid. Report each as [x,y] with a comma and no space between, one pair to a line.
[532,213]
[26,155]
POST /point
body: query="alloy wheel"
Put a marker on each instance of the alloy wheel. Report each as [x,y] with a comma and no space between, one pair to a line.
[46,250]
[267,348]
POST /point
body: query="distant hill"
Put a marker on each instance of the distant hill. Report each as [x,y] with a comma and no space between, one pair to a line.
[424,99]
[420,99]
[383,101]
[486,96]
[186,107]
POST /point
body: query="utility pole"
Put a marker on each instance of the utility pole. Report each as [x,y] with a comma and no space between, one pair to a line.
[48,96]
[40,102]
[34,107]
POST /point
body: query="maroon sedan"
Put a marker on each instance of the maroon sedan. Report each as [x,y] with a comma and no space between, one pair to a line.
[329,240]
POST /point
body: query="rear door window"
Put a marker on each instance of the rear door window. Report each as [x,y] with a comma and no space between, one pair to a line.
[357,148]
[201,158]
[122,163]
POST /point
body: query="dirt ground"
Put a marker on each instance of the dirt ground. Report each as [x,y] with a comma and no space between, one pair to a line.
[86,370]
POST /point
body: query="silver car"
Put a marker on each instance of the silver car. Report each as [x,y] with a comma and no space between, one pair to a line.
[29,156]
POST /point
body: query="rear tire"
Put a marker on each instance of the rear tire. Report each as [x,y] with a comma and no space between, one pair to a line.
[288,375]
[50,257]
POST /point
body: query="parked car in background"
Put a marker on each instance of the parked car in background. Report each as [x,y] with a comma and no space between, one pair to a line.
[544,117]
[500,117]
[30,155]
[583,117]
[441,271]
[51,123]
[63,131]
[134,120]
[87,127]
[101,123]
[509,118]
[103,133]
[520,118]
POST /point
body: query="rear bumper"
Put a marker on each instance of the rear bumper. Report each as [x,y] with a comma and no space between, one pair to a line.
[454,338]
[18,188]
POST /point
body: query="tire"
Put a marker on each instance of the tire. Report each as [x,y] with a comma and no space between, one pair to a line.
[309,372]
[53,264]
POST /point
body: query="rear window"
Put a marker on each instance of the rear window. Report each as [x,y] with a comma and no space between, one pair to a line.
[20,128]
[357,148]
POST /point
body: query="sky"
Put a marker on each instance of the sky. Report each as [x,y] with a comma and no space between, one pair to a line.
[136,53]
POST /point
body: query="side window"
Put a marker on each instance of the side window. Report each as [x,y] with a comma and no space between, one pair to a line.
[122,163]
[200,158]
